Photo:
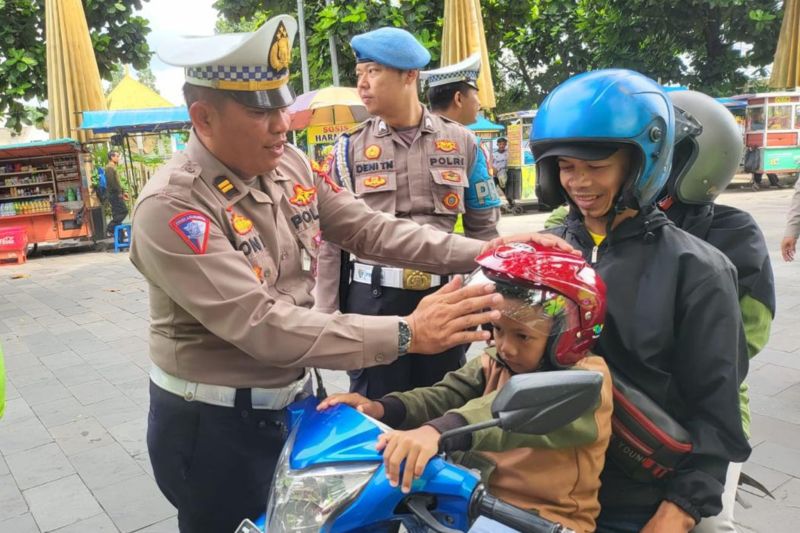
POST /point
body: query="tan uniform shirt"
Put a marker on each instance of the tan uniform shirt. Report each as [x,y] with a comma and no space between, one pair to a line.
[424,182]
[230,266]
[793,217]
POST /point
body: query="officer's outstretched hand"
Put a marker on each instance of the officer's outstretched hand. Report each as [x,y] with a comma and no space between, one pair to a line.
[545,239]
[445,318]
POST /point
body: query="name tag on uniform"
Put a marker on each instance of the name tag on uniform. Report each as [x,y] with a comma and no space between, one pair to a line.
[306,259]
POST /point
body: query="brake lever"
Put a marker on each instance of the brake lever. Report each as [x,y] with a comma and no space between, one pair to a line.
[417,506]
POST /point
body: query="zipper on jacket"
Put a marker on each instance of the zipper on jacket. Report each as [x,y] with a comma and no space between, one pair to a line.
[594,253]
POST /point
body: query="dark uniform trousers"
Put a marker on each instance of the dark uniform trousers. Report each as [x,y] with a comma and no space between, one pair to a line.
[411,370]
[209,457]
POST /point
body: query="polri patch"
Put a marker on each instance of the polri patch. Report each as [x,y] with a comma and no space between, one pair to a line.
[193,228]
[373,151]
[303,195]
[451,200]
[225,186]
[445,145]
[373,182]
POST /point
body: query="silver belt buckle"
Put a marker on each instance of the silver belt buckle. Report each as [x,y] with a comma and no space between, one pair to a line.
[416,280]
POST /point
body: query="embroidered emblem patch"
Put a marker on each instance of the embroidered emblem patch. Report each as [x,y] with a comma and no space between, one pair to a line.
[303,195]
[451,200]
[453,177]
[446,145]
[193,228]
[373,182]
[280,50]
[241,224]
[373,151]
[225,186]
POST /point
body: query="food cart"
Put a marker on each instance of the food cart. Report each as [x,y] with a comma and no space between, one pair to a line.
[772,127]
[521,166]
[44,190]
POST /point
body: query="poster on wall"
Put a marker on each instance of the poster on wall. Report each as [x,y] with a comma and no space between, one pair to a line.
[514,132]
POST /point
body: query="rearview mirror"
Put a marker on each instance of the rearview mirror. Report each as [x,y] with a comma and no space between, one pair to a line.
[539,403]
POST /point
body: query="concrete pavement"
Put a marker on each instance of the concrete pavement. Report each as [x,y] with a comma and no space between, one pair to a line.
[72,443]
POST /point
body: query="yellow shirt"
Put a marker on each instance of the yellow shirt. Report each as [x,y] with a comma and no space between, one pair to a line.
[597,238]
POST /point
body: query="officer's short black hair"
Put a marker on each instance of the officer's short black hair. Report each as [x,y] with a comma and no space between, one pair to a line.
[195,93]
[441,96]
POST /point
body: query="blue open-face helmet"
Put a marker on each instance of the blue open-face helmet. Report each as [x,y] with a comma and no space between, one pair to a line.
[590,116]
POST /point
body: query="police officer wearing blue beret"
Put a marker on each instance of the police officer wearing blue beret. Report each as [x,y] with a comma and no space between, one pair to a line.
[413,164]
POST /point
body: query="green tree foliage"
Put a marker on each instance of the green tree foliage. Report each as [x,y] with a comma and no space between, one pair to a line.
[144,76]
[118,36]
[710,45]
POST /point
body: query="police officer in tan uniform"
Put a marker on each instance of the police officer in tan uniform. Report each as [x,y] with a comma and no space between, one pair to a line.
[453,93]
[410,163]
[227,235]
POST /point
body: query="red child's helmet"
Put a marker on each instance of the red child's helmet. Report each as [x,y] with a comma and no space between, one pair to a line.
[563,286]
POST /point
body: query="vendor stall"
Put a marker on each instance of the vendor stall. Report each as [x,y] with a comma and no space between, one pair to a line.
[521,166]
[42,189]
[772,132]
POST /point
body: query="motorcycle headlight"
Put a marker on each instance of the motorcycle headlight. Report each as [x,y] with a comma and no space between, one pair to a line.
[303,500]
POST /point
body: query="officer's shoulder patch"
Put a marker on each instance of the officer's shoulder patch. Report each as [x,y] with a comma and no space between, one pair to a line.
[226,187]
[193,228]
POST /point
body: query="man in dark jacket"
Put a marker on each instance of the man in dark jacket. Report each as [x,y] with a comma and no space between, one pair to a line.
[116,196]
[603,141]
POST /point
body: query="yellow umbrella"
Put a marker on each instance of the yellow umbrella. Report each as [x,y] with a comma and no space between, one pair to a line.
[786,68]
[462,36]
[326,107]
[73,80]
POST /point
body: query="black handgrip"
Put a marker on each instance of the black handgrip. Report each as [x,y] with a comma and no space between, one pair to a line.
[516,518]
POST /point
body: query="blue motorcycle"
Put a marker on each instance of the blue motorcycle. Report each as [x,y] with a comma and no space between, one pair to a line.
[330,478]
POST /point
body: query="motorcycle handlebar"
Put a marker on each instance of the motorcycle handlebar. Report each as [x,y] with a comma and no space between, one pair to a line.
[514,517]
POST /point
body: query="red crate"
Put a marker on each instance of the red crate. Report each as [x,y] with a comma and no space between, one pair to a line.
[13,239]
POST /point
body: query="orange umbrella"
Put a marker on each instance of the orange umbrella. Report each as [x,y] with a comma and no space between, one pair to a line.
[73,80]
[326,107]
[786,68]
[462,36]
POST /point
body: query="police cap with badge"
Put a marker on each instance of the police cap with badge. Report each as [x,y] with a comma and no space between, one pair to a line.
[252,68]
[465,71]
[393,47]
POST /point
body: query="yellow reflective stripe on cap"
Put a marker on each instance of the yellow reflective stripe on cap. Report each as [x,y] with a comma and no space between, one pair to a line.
[249,85]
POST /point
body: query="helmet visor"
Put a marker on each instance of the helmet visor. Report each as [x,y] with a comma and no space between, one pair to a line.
[534,311]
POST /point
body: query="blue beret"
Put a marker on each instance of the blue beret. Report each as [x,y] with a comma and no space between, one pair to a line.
[392,47]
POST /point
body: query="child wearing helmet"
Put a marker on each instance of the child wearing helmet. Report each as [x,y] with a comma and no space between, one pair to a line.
[603,142]
[552,313]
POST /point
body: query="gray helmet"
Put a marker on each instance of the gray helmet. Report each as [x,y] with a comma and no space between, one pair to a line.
[708,148]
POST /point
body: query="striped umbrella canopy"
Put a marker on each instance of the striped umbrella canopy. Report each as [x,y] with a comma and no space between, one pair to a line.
[327,107]
[73,80]
[462,36]
[786,67]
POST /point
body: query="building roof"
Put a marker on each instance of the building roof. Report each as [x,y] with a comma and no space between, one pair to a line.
[133,94]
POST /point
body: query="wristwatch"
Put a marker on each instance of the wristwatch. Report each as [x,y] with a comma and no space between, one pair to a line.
[403,337]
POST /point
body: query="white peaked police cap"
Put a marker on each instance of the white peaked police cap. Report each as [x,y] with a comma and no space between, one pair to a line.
[253,67]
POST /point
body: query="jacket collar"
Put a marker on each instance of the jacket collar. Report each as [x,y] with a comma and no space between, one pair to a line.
[219,178]
[647,221]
